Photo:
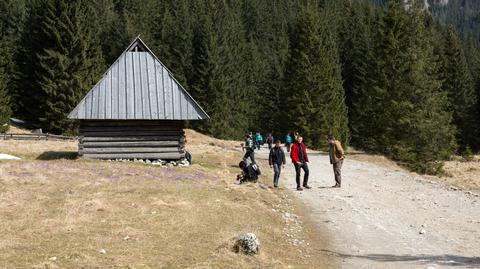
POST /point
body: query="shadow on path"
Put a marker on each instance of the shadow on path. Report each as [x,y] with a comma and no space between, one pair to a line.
[450,260]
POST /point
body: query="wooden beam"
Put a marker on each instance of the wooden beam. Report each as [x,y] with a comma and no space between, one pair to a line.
[131,150]
[117,144]
[129,138]
[163,156]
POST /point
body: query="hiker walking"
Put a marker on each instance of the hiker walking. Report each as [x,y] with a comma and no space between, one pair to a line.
[288,142]
[336,159]
[258,140]
[276,160]
[269,141]
[250,148]
[300,160]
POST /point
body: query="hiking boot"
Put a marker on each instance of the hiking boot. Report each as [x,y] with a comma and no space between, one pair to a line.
[307,187]
[299,188]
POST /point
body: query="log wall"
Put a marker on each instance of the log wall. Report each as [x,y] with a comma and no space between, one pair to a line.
[131,139]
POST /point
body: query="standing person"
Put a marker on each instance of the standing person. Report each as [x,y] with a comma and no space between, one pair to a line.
[269,141]
[258,140]
[250,148]
[336,159]
[277,160]
[300,160]
[288,142]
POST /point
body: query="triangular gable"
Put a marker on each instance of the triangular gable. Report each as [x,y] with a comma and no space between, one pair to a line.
[138,87]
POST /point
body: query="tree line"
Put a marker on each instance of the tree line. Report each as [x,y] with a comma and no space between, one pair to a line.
[383,77]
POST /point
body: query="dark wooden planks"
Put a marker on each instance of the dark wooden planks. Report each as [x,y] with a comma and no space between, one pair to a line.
[163,156]
[131,139]
[125,144]
[129,150]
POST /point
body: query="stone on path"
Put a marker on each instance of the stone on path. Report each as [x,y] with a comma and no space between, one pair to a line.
[247,243]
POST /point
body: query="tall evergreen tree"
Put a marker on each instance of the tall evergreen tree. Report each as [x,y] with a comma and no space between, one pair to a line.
[172,38]
[11,21]
[459,86]
[67,62]
[356,50]
[316,105]
[472,54]
[409,111]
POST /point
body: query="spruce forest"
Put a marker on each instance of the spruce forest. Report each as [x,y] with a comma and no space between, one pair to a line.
[393,77]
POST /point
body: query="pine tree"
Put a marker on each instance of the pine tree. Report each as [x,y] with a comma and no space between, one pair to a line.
[205,80]
[69,65]
[459,86]
[472,54]
[315,102]
[172,40]
[410,111]
[356,46]
[11,22]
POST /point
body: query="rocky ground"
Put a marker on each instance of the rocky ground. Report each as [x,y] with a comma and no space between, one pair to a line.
[384,217]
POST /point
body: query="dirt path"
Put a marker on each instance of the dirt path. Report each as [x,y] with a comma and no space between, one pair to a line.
[385,218]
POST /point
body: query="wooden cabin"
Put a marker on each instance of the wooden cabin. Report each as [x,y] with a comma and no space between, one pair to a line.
[137,110]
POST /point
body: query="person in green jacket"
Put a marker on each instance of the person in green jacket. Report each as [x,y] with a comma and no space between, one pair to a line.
[250,148]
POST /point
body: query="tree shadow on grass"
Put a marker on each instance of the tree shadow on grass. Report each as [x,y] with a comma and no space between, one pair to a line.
[58,155]
[447,259]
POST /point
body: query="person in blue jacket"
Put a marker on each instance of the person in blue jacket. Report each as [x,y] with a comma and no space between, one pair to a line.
[288,142]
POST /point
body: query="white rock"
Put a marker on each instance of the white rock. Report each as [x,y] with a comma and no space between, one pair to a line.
[422,231]
[247,243]
[102,251]
[52,258]
[126,238]
[8,157]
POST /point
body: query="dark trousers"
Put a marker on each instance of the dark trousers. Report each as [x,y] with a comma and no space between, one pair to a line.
[258,144]
[337,170]
[277,169]
[298,168]
[287,145]
[269,145]
[249,154]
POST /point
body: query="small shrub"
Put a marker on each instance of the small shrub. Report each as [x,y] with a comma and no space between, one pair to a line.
[467,154]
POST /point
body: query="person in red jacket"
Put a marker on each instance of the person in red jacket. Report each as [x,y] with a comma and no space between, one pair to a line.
[298,153]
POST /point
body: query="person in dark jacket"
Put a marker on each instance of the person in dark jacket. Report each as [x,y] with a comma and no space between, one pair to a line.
[277,161]
[250,172]
[299,157]
[269,141]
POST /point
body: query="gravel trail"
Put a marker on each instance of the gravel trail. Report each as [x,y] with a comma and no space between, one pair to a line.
[386,218]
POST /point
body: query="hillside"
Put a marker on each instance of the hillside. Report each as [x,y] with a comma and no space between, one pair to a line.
[60,212]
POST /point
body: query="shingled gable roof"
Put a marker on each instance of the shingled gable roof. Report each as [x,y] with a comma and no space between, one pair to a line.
[138,87]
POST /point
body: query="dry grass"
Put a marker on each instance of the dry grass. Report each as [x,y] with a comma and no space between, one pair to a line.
[463,174]
[458,172]
[174,217]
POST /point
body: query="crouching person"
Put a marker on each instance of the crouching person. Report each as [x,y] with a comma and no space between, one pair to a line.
[250,172]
